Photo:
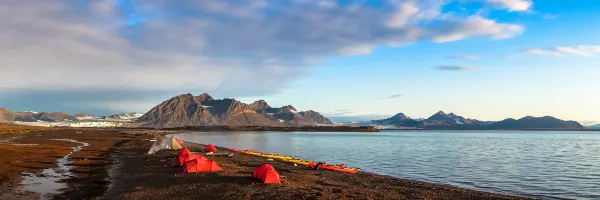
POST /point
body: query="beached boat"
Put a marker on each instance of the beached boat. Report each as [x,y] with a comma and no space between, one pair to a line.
[290,159]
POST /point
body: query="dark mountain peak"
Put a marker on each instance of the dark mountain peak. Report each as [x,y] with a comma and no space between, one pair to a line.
[452,115]
[260,106]
[315,117]
[203,110]
[55,117]
[530,122]
[527,117]
[400,116]
[399,119]
[439,116]
[288,107]
[83,115]
[203,97]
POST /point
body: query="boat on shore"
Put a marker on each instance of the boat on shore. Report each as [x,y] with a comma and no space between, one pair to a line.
[290,159]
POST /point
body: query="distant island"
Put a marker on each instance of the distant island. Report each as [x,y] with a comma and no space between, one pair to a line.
[203,112]
[451,121]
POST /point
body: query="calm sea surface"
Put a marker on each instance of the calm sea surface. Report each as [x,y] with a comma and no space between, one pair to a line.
[543,164]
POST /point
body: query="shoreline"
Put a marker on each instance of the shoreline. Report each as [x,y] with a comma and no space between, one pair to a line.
[116,166]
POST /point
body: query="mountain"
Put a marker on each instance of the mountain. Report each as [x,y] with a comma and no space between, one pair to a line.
[124,116]
[7,115]
[84,116]
[441,120]
[530,122]
[203,110]
[26,116]
[397,120]
[54,117]
[30,116]
[597,126]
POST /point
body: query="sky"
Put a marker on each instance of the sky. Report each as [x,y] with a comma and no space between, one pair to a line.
[356,59]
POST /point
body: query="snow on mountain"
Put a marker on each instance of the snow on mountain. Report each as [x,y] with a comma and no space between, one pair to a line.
[125,116]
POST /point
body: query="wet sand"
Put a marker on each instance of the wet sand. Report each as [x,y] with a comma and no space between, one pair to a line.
[116,166]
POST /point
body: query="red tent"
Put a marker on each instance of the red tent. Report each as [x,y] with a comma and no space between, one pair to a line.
[196,166]
[185,155]
[266,173]
[183,151]
[210,148]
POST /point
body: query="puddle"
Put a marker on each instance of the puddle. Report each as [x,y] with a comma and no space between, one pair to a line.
[48,182]
[113,171]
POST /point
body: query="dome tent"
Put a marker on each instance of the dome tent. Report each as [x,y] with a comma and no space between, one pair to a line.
[197,166]
[210,148]
[185,155]
[267,174]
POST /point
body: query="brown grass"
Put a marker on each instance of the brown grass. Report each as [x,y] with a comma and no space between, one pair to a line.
[18,129]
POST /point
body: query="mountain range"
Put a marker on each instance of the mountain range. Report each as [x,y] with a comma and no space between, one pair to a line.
[7,116]
[441,120]
[597,126]
[203,110]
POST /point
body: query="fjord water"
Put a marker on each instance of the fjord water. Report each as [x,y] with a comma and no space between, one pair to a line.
[533,163]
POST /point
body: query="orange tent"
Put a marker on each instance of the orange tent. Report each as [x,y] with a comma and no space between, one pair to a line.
[196,166]
[185,155]
[210,148]
[267,174]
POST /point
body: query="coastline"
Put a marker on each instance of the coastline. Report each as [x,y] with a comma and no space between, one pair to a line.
[116,166]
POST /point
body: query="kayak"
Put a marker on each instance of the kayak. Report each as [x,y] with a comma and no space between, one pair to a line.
[339,169]
[275,156]
[236,150]
[299,162]
[290,159]
[336,168]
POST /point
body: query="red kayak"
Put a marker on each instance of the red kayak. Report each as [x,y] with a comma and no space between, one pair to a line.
[235,150]
[335,168]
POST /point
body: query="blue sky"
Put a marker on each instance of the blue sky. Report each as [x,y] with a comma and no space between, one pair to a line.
[484,59]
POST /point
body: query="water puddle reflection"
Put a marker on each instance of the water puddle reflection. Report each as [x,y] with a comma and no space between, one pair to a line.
[49,181]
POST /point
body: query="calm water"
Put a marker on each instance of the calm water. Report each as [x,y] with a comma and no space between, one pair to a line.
[544,164]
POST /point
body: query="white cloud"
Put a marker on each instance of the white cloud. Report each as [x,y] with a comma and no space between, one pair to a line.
[464,57]
[403,14]
[513,5]
[579,50]
[356,50]
[223,46]
[478,26]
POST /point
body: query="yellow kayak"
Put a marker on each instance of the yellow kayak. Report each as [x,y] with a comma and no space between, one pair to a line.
[298,161]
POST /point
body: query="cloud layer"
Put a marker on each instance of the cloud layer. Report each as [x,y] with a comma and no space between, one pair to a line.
[580,50]
[251,47]
[455,68]
[393,96]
